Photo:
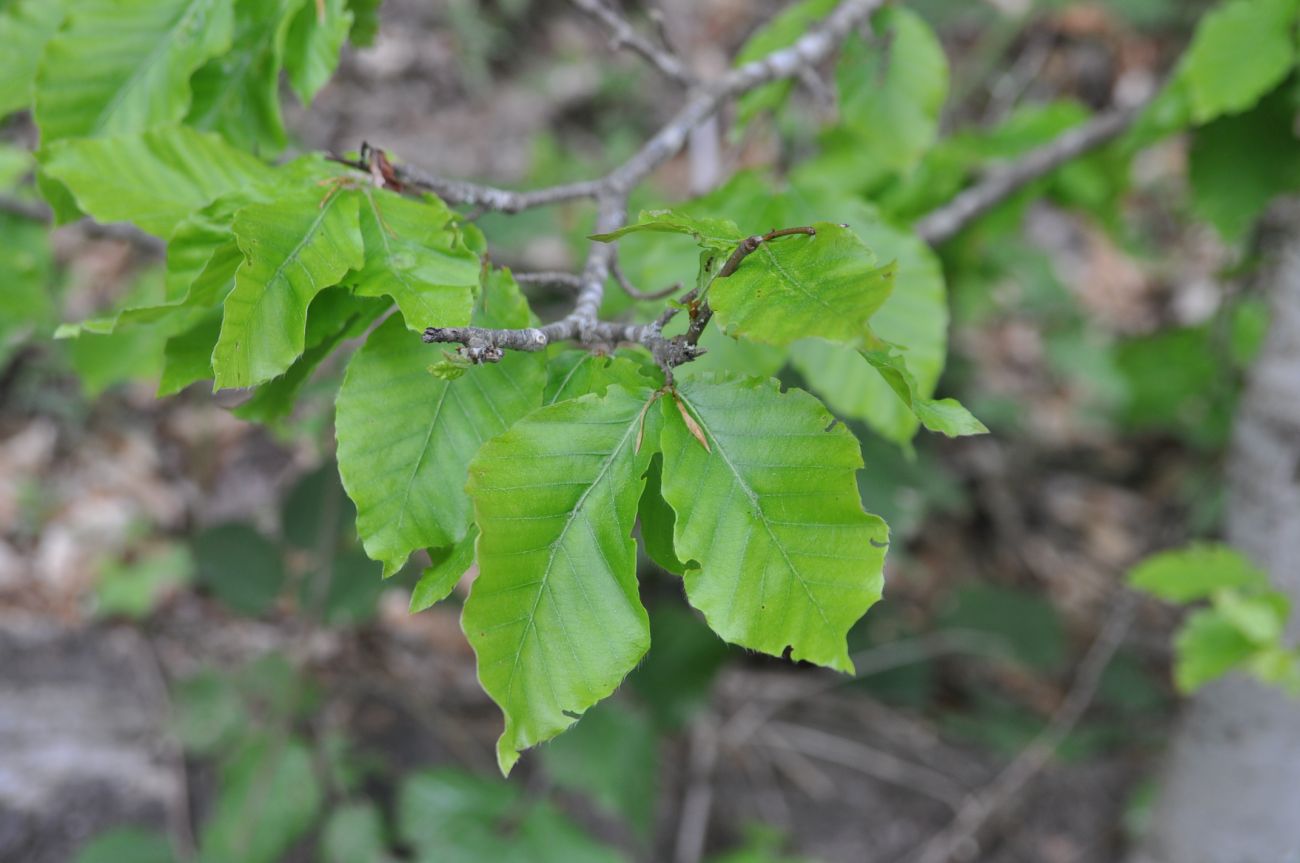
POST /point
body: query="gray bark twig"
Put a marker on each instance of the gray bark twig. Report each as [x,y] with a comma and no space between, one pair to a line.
[948,220]
[1002,792]
[624,35]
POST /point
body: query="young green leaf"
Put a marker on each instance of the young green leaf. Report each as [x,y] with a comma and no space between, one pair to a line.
[1196,572]
[448,567]
[554,615]
[946,416]
[1240,51]
[293,248]
[153,179]
[315,40]
[825,285]
[406,437]
[25,28]
[893,88]
[787,559]
[123,66]
[717,235]
[573,374]
[777,33]
[415,255]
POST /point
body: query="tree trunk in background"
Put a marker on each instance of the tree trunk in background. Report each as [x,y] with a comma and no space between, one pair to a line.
[1231,788]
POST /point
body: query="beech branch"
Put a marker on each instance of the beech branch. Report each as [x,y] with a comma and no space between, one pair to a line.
[611,193]
[624,35]
[948,220]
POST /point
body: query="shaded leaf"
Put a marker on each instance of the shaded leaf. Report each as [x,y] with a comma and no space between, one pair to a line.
[127,843]
[448,566]
[611,756]
[239,565]
[451,817]
[238,92]
[269,796]
[657,521]
[406,437]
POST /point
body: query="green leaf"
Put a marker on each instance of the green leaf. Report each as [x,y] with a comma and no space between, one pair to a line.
[451,817]
[354,833]
[134,589]
[406,438]
[187,356]
[239,565]
[611,757]
[315,40]
[1196,572]
[26,274]
[127,843]
[554,615]
[770,512]
[1260,618]
[209,713]
[892,88]
[448,566]
[333,317]
[780,32]
[365,21]
[915,314]
[238,92]
[269,796]
[415,255]
[572,374]
[123,66]
[658,521]
[718,235]
[25,28]
[946,416]
[1231,191]
[154,179]
[293,248]
[1239,52]
[826,285]
[1208,646]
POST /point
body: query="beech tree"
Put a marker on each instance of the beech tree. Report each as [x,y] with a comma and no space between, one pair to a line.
[550,453]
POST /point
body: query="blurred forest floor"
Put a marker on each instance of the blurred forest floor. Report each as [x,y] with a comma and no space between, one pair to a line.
[125,522]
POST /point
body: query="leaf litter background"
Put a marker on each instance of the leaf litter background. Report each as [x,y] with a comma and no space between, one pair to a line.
[147,545]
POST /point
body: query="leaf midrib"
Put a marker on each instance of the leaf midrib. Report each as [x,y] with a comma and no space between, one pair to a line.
[544,582]
[758,508]
[166,39]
